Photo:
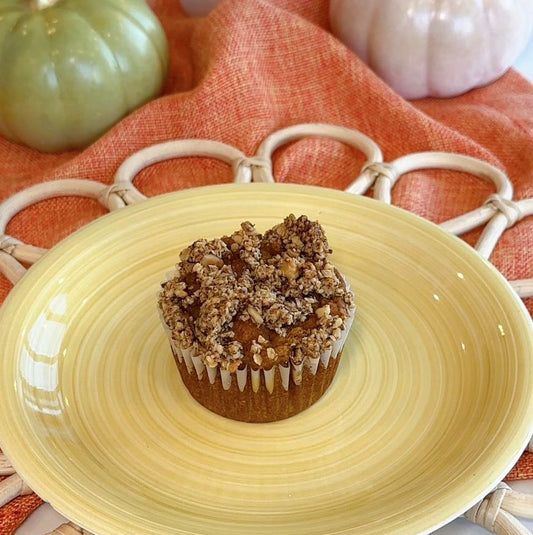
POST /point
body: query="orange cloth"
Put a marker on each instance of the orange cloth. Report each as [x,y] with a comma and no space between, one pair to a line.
[253,67]
[15,512]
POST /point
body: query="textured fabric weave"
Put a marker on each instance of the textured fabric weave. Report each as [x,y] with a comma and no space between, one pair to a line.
[15,512]
[252,67]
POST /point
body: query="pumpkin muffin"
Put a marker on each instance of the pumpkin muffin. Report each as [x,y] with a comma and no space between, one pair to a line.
[257,322]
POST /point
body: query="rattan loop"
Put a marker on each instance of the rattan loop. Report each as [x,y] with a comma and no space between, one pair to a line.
[485,513]
[456,162]
[510,209]
[350,137]
[459,162]
[11,249]
[69,529]
[115,196]
[47,190]
[382,170]
[255,168]
[384,176]
[524,288]
[505,214]
[9,264]
[8,244]
[206,148]
[11,268]
[6,468]
[11,487]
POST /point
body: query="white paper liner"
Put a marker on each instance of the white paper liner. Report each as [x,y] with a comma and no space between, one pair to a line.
[337,347]
[339,344]
[269,379]
[187,357]
[212,374]
[349,320]
[225,375]
[287,372]
[256,380]
[241,378]
[324,358]
[199,366]
[297,373]
[312,364]
[177,350]
[173,344]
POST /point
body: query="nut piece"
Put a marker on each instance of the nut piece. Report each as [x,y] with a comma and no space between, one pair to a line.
[289,268]
[323,312]
[179,290]
[297,241]
[237,238]
[255,315]
[271,353]
[184,255]
[211,260]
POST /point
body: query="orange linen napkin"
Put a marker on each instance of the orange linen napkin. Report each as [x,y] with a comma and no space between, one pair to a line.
[253,67]
[14,513]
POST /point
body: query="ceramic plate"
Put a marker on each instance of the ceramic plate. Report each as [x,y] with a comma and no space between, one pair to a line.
[430,408]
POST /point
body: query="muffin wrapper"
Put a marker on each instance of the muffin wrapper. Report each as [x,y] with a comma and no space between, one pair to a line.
[259,395]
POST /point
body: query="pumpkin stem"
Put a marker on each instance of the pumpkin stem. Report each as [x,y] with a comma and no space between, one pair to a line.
[37,5]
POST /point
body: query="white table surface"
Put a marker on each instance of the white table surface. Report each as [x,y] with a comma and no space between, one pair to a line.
[46,519]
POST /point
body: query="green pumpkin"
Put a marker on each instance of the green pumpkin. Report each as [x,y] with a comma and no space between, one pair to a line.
[70,69]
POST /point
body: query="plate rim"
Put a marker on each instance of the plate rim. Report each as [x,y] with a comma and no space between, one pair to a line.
[46,262]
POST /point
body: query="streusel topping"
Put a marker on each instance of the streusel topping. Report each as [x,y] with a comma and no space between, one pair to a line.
[257,300]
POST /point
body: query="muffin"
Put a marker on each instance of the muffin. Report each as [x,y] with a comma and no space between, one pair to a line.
[257,323]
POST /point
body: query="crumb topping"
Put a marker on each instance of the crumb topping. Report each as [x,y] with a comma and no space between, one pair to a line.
[258,300]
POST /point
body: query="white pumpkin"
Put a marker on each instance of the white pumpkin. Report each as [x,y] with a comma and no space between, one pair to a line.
[439,48]
[198,8]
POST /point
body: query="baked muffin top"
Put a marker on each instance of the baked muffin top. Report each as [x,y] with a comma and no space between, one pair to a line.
[257,300]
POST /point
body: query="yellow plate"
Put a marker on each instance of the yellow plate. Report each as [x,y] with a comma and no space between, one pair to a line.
[430,408]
